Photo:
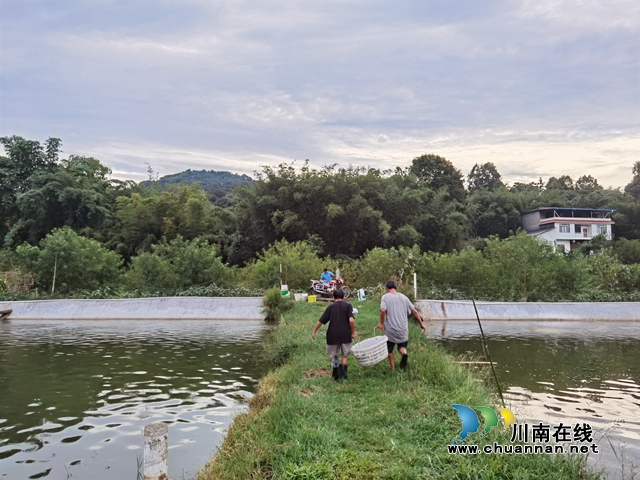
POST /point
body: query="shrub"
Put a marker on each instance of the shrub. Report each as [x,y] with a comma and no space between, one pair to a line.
[150,271]
[214,290]
[379,265]
[79,262]
[177,264]
[300,263]
[628,251]
[513,269]
[274,306]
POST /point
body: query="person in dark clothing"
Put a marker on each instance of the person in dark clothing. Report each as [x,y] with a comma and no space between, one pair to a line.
[340,334]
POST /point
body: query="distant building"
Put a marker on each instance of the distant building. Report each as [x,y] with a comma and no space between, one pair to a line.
[568,228]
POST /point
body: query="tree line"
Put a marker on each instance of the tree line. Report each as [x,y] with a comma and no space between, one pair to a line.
[172,236]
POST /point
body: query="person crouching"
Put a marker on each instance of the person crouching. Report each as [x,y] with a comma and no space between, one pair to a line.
[340,334]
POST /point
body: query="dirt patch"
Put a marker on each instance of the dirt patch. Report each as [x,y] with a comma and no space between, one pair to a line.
[305,393]
[316,372]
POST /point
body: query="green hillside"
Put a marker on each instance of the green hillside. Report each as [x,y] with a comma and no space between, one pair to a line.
[216,184]
[207,178]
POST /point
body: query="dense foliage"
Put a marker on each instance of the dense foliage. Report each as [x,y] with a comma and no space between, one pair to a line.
[75,262]
[113,237]
[217,185]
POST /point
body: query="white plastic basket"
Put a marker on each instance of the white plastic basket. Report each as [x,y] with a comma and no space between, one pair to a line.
[370,351]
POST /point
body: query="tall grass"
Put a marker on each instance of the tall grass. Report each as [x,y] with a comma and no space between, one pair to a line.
[274,305]
[376,425]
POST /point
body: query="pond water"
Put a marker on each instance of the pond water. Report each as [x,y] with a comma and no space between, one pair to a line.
[570,372]
[75,395]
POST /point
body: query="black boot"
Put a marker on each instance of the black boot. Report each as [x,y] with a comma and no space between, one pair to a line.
[403,362]
[336,373]
[342,372]
[345,370]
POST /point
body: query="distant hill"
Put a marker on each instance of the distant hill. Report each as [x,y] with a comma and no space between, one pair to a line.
[207,178]
[216,184]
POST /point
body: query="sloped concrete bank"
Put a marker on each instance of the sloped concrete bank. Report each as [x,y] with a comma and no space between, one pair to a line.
[463,310]
[178,308]
[248,308]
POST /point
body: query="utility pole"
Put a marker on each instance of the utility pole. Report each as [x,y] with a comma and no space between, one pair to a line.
[55,268]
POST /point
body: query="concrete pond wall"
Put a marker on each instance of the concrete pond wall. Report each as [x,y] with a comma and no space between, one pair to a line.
[463,310]
[248,308]
[179,308]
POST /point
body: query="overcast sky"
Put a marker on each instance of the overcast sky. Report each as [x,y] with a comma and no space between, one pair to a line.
[538,87]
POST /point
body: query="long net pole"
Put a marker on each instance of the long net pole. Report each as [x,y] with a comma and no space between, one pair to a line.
[487,354]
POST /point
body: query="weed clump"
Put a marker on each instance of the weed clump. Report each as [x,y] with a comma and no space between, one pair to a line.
[274,306]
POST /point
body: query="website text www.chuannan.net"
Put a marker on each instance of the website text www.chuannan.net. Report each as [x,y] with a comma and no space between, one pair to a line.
[520,449]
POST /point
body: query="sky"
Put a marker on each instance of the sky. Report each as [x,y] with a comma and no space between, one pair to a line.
[540,88]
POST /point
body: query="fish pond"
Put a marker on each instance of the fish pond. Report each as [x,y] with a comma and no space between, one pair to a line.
[569,372]
[75,395]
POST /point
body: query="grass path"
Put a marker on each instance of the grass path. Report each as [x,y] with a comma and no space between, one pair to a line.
[376,425]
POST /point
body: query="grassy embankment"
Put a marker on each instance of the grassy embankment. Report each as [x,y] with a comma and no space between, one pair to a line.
[376,425]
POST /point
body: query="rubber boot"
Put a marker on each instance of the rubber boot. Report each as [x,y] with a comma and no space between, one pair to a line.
[403,362]
[342,373]
[345,368]
[334,363]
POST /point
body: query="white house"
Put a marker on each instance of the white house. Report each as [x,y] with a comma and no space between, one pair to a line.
[568,228]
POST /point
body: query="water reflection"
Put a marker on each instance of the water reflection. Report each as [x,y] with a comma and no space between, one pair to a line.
[76,395]
[565,371]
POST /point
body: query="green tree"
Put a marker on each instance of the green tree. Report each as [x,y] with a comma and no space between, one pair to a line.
[633,188]
[494,213]
[587,183]
[517,268]
[79,263]
[485,177]
[565,182]
[351,210]
[522,264]
[466,272]
[24,158]
[381,264]
[177,264]
[436,172]
[628,251]
[144,218]
[300,263]
[626,217]
[519,187]
[149,272]
[77,193]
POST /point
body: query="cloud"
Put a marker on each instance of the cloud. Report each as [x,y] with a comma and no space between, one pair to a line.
[198,84]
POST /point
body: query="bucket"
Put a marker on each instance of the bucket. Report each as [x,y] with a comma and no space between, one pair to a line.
[285,294]
[311,299]
[300,297]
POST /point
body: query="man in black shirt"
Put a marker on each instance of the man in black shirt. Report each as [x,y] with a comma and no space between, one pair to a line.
[341,332]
